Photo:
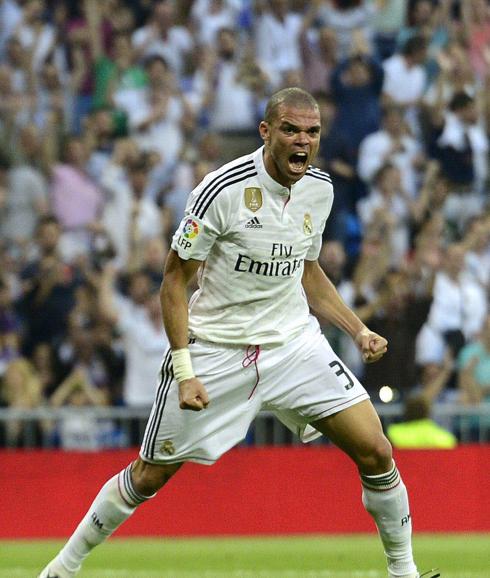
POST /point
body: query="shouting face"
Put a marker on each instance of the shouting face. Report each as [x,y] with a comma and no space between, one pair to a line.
[291,138]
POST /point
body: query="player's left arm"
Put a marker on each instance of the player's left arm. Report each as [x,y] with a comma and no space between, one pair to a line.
[325,301]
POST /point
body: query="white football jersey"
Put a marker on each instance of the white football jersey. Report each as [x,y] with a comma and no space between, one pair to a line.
[253,236]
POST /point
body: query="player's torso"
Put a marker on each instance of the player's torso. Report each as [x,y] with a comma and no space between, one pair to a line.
[270,235]
[251,279]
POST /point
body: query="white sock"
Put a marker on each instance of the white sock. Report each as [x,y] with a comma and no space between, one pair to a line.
[385,497]
[115,502]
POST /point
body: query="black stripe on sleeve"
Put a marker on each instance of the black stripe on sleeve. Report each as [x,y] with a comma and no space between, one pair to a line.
[217,191]
[208,189]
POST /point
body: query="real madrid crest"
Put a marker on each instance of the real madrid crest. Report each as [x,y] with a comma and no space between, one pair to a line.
[253,198]
[307,224]
[167,447]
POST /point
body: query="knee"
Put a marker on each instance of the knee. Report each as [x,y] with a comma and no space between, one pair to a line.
[377,457]
[149,478]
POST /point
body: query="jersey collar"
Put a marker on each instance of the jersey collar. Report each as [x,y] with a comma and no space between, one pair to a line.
[269,183]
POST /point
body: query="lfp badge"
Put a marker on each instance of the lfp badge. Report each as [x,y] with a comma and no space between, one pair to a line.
[191,229]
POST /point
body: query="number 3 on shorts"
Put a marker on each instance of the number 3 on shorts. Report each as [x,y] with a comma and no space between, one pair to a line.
[341,371]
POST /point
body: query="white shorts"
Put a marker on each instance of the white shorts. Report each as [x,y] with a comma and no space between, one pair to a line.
[299,382]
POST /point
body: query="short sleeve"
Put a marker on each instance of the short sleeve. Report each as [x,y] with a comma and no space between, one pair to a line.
[204,221]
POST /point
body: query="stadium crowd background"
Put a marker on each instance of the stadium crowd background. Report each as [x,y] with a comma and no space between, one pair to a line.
[110,113]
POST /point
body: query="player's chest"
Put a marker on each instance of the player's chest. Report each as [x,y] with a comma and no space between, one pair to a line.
[272,225]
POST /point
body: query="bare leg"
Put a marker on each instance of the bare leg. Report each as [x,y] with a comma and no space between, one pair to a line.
[358,432]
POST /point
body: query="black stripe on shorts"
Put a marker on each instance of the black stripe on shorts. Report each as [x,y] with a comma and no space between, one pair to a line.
[156,414]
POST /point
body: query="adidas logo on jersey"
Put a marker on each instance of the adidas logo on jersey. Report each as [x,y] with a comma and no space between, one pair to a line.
[253,224]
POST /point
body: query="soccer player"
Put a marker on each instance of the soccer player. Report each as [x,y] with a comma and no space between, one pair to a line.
[246,340]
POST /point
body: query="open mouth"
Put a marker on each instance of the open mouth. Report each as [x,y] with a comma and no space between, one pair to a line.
[297,162]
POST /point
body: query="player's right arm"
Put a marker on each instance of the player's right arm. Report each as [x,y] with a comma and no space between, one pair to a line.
[173,299]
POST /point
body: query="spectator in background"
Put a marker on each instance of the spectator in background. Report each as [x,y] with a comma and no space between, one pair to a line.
[335,156]
[386,25]
[99,136]
[474,368]
[44,362]
[462,150]
[435,383]
[119,82]
[76,200]
[208,17]
[48,288]
[476,21]
[144,340]
[78,430]
[318,51]
[21,389]
[197,80]
[10,19]
[79,358]
[348,18]
[400,313]
[387,206]
[277,41]
[455,75]
[477,244]
[431,197]
[418,430]
[356,87]
[161,36]
[15,106]
[77,39]
[24,201]
[27,147]
[457,312]
[158,123]
[405,79]
[430,21]
[153,261]
[10,335]
[233,101]
[198,159]
[35,34]
[426,257]
[130,218]
[393,144]
[371,266]
[17,60]
[474,382]
[52,97]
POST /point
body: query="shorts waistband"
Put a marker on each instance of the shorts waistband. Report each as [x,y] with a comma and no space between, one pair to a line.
[236,346]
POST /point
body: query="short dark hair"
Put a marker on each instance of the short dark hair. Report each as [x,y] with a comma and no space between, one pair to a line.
[142,163]
[152,59]
[460,100]
[5,162]
[416,407]
[292,96]
[48,219]
[413,45]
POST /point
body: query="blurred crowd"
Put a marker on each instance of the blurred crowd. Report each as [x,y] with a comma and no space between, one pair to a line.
[111,111]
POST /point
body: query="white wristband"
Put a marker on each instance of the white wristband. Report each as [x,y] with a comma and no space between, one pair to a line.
[182,364]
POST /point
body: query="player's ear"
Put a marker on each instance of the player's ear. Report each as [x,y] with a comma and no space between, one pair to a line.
[264,131]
